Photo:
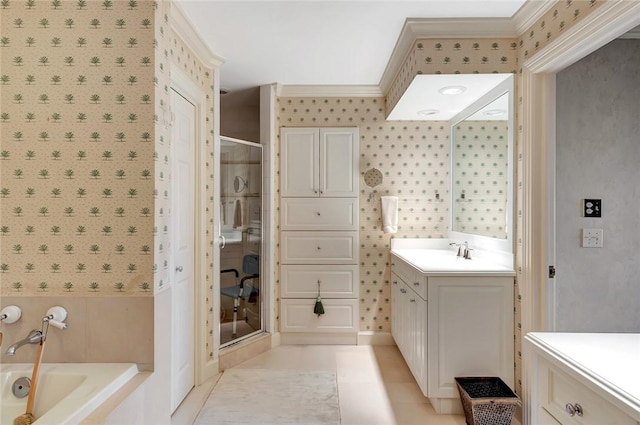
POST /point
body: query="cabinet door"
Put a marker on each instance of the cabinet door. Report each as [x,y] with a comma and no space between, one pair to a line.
[299,163]
[339,162]
[395,308]
[470,331]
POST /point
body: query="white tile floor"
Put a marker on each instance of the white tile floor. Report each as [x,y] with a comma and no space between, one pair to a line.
[375,386]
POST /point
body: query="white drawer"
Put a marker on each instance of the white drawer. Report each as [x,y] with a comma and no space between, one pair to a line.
[557,389]
[411,276]
[297,315]
[319,247]
[336,281]
[319,214]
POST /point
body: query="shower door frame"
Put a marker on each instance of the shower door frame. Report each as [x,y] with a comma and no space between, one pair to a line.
[264,293]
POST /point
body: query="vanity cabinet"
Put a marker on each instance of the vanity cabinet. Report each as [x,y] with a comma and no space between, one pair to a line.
[319,234]
[568,390]
[319,162]
[452,325]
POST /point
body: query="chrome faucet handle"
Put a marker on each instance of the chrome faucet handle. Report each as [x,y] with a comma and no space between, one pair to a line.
[467,253]
[459,245]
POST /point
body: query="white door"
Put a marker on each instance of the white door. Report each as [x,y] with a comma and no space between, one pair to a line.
[182,248]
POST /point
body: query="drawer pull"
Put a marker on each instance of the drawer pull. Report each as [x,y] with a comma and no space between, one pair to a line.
[573,409]
[395,282]
[412,300]
[404,291]
[416,283]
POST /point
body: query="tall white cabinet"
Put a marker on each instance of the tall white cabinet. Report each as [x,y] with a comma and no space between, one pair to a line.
[319,234]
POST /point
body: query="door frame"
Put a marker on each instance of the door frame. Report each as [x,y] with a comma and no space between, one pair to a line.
[610,20]
[204,367]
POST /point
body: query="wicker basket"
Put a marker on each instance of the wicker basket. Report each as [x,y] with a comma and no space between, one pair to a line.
[487,400]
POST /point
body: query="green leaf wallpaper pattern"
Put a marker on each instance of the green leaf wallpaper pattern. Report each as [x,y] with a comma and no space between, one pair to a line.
[77,125]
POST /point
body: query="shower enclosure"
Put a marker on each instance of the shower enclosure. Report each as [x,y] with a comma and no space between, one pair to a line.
[241,300]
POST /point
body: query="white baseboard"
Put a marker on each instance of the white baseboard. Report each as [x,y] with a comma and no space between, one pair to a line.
[317,338]
[375,338]
[275,339]
[360,338]
[208,371]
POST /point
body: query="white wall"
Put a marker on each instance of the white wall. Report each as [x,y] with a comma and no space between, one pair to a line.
[598,156]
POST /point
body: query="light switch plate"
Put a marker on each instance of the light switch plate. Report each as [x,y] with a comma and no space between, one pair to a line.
[592,238]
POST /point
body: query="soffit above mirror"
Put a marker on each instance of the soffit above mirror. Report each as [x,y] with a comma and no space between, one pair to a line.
[427,97]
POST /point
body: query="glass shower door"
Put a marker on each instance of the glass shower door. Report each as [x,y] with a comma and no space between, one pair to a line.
[241,306]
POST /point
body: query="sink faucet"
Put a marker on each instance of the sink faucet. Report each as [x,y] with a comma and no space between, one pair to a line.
[467,251]
[34,337]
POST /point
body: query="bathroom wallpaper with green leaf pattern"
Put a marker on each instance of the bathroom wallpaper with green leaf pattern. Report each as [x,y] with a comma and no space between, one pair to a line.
[78,147]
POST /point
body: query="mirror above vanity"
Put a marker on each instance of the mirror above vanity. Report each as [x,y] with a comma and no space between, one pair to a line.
[478,109]
[482,169]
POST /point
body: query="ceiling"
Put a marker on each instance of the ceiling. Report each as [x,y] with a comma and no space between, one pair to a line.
[306,42]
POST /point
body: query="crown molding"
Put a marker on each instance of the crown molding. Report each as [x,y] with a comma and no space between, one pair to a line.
[184,28]
[292,90]
[634,34]
[608,22]
[530,12]
[417,29]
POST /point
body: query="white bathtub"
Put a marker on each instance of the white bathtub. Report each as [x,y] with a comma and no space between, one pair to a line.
[67,392]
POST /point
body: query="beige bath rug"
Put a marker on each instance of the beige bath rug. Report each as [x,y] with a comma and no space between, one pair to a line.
[272,397]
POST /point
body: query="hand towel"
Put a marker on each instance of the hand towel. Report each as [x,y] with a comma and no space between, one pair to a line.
[237,215]
[389,214]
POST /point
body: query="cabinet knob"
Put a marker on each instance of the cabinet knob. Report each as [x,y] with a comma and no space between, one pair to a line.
[318,214]
[315,191]
[318,248]
[573,409]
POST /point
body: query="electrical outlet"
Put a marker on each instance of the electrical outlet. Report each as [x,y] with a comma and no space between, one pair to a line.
[593,207]
[592,238]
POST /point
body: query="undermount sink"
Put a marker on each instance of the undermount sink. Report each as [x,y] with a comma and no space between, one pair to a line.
[446,262]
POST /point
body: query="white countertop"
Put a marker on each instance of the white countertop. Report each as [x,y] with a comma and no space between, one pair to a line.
[611,361]
[444,262]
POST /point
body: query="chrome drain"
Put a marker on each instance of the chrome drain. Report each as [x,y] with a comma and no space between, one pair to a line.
[21,387]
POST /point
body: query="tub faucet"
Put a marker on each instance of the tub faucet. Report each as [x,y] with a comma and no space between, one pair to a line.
[34,337]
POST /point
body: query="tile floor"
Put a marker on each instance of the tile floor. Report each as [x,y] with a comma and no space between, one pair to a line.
[375,386]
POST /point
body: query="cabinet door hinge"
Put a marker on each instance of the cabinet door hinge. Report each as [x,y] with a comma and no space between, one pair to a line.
[552,272]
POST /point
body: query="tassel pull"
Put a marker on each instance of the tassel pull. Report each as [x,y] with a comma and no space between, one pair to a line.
[318,308]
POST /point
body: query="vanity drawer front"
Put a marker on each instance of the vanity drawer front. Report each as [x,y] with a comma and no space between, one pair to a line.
[319,214]
[557,389]
[319,247]
[336,281]
[339,316]
[411,277]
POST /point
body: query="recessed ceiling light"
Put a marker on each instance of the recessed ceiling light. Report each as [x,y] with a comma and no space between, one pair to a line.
[495,112]
[427,112]
[452,90]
